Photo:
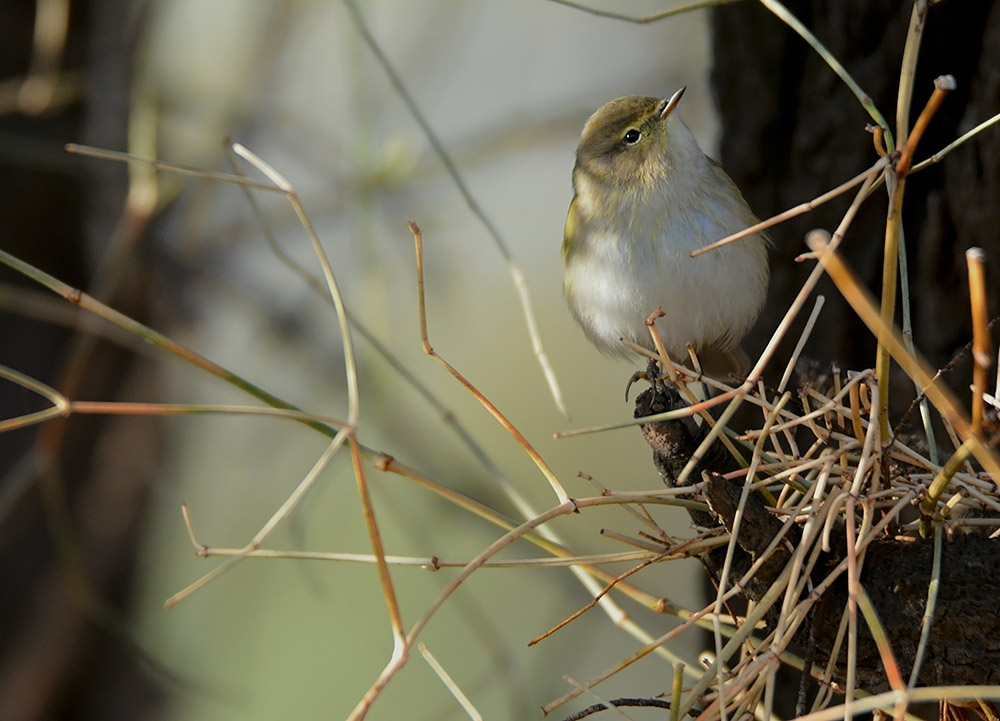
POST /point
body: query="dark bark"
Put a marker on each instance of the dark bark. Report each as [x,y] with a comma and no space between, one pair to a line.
[964,643]
[792,130]
[70,509]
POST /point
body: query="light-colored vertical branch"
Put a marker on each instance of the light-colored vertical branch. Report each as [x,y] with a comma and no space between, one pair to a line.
[925,407]
[896,186]
[908,70]
[981,355]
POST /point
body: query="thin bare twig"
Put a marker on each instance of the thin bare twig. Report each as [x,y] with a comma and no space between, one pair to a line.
[486,403]
[859,298]
[516,274]
[982,357]
[643,19]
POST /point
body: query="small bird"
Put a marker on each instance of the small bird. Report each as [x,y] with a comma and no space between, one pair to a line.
[645,197]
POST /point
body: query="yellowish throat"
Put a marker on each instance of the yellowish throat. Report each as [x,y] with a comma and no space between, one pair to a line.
[645,196]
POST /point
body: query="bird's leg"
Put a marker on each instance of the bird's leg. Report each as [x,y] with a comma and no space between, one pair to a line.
[651,374]
[654,377]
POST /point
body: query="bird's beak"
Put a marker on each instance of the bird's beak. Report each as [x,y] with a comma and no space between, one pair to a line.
[669,105]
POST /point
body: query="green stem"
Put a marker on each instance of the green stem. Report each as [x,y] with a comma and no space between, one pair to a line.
[904,287]
[928,507]
[890,276]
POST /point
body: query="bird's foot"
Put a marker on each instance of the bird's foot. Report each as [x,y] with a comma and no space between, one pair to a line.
[651,374]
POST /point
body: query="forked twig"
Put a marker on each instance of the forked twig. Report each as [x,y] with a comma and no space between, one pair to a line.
[896,186]
[177,169]
[483,400]
[942,86]
[261,535]
[501,543]
[83,300]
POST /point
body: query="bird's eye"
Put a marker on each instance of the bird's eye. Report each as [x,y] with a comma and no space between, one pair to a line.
[631,136]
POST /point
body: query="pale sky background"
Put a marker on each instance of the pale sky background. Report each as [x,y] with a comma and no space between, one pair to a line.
[507,86]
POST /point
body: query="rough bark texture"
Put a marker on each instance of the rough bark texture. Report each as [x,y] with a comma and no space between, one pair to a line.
[964,644]
[792,130]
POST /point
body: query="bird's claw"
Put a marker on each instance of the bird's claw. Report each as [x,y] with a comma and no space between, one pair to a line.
[638,375]
[651,374]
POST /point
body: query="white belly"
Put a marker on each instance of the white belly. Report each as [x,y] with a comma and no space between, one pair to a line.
[709,301]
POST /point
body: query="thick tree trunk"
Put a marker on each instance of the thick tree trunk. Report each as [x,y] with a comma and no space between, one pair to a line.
[792,130]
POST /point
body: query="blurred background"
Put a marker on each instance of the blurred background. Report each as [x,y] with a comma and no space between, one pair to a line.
[506,87]
[92,541]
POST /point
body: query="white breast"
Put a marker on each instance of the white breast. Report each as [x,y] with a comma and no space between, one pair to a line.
[619,277]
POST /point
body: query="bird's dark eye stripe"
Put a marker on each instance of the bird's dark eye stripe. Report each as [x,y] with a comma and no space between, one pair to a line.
[631,136]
